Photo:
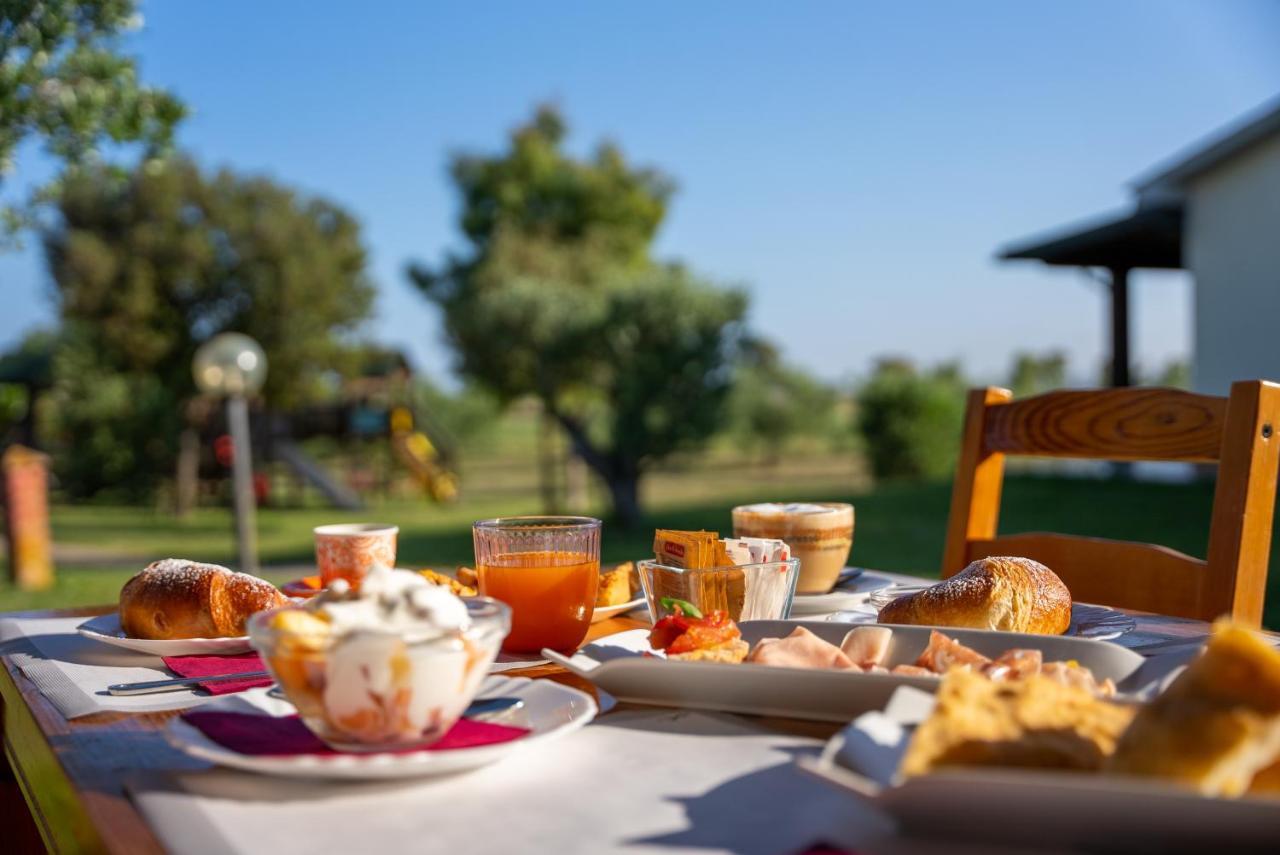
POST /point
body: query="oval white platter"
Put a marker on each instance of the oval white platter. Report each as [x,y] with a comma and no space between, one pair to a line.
[550,711]
[618,664]
[1070,810]
[106,629]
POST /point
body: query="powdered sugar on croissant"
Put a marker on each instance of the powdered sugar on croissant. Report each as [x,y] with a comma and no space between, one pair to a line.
[1006,593]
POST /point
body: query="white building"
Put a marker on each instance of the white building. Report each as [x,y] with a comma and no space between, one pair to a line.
[1213,210]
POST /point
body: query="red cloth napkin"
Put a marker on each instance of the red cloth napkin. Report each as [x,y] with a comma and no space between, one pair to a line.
[211,666]
[262,735]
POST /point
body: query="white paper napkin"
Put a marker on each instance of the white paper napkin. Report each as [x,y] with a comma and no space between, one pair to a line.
[73,671]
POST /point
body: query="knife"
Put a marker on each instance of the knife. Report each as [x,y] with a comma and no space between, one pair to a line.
[483,706]
[178,683]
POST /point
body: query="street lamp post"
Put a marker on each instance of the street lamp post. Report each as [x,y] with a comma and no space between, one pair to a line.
[233,365]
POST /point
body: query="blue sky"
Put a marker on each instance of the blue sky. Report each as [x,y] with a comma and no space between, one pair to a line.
[854,164]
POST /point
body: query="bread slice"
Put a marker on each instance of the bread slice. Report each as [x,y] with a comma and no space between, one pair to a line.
[732,652]
[1217,725]
[615,586]
[1036,722]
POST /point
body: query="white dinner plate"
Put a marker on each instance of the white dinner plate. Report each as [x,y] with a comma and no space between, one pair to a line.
[850,591]
[1071,810]
[1102,623]
[626,667]
[106,629]
[606,612]
[550,711]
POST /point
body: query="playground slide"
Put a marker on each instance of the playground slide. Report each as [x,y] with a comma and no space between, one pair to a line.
[316,475]
[416,453]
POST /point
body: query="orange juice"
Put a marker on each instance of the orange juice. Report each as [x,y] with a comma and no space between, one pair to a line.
[552,595]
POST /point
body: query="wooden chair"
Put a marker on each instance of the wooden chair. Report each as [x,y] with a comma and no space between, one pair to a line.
[1237,433]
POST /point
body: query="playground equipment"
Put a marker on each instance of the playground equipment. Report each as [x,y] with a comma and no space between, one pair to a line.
[421,456]
[373,409]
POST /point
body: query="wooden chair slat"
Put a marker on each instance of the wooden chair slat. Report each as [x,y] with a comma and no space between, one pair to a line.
[1110,424]
[1097,570]
[1237,433]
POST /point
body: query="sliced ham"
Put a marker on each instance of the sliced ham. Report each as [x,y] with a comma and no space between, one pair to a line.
[800,649]
[1016,664]
[867,645]
[944,653]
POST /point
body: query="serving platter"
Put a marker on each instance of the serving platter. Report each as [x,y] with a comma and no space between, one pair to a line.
[106,629]
[549,710]
[626,667]
[1071,810]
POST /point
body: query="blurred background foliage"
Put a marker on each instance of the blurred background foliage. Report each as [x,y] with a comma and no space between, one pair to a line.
[149,264]
[910,420]
[64,82]
[572,340]
[558,297]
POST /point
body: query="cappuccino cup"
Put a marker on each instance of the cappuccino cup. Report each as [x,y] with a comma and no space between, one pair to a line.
[820,534]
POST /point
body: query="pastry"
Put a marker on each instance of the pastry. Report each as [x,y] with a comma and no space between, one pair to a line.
[455,586]
[1036,722]
[1007,594]
[615,586]
[1218,723]
[175,598]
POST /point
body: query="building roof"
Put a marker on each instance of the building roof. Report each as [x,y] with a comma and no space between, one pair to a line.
[1149,237]
[1223,144]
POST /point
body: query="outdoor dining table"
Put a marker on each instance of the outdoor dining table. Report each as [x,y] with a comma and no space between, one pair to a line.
[73,774]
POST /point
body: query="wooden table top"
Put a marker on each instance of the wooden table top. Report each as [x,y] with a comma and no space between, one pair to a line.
[72,772]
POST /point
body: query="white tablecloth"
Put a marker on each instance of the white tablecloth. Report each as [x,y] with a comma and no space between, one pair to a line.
[74,671]
[660,781]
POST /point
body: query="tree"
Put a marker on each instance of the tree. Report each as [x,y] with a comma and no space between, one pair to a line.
[1034,374]
[63,79]
[773,403]
[559,297]
[1175,374]
[148,266]
[911,421]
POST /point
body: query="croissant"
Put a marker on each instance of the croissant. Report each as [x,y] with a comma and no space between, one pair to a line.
[1008,594]
[174,598]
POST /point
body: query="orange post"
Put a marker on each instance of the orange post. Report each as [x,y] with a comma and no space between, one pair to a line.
[26,517]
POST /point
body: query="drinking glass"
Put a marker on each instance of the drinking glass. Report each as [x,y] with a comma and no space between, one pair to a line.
[546,568]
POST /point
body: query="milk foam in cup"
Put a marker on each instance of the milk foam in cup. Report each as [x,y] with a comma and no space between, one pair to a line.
[820,534]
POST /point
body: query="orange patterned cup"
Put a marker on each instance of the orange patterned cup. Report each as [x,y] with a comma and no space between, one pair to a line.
[349,550]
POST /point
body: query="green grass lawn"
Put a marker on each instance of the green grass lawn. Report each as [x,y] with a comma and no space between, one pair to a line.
[899,526]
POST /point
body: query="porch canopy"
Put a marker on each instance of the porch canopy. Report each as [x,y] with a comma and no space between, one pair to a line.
[1147,237]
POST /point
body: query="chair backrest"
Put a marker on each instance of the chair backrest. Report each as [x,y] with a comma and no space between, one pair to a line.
[1237,433]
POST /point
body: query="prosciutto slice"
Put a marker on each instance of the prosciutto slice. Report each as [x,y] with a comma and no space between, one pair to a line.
[867,646]
[800,649]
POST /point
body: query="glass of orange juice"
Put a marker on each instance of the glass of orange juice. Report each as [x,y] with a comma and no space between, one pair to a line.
[546,569]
